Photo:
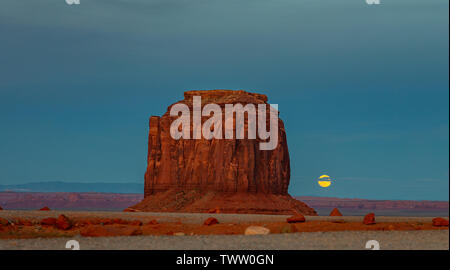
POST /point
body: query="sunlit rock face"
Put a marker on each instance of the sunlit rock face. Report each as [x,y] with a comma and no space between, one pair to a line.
[226,171]
[225,165]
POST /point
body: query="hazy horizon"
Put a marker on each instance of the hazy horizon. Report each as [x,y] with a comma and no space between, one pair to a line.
[139,190]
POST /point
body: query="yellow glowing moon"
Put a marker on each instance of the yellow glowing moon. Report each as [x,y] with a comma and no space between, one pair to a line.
[324,181]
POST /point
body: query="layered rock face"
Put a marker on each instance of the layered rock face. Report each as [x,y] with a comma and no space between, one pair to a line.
[225,165]
[231,174]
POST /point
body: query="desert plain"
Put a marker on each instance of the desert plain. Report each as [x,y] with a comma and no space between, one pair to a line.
[32,229]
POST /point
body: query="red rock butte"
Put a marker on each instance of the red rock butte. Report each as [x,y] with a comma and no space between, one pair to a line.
[233,175]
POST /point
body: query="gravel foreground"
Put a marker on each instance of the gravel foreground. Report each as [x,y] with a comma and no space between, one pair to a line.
[353,240]
[348,240]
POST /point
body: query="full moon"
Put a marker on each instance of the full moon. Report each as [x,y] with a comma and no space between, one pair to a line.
[324,181]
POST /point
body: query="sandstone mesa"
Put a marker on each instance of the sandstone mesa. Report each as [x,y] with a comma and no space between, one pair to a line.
[233,175]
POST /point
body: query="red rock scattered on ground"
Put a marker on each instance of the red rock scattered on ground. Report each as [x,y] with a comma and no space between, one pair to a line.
[120,221]
[92,227]
[211,221]
[440,222]
[152,222]
[369,219]
[4,221]
[45,209]
[23,222]
[85,222]
[48,221]
[335,213]
[214,210]
[105,221]
[135,223]
[297,218]
[63,223]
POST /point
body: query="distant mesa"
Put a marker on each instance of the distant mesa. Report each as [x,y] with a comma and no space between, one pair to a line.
[73,187]
[45,208]
[356,206]
[335,213]
[233,175]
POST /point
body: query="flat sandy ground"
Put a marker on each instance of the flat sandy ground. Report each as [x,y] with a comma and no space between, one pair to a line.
[356,240]
[353,240]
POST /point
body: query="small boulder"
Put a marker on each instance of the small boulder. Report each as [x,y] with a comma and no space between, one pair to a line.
[45,208]
[440,222]
[152,222]
[256,230]
[93,221]
[4,221]
[214,210]
[135,223]
[335,213]
[210,221]
[1,208]
[48,222]
[63,223]
[81,223]
[179,234]
[369,219]
[297,218]
[120,221]
[106,221]
[23,222]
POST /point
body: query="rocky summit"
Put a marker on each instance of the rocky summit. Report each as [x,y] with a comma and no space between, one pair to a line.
[232,175]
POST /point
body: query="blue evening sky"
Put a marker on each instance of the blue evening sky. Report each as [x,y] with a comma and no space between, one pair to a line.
[363,89]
